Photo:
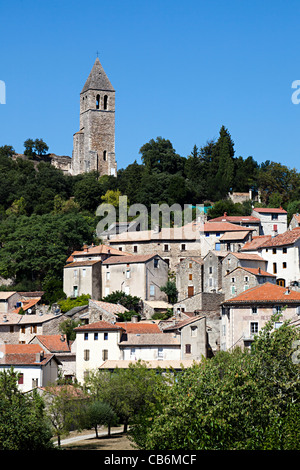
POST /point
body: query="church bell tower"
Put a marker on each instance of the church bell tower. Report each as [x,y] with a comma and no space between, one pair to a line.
[94,143]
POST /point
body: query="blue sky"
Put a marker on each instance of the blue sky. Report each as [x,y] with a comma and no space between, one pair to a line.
[181,70]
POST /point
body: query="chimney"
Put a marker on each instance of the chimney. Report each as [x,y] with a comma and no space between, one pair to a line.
[62,337]
[39,356]
[85,248]
[134,319]
[258,270]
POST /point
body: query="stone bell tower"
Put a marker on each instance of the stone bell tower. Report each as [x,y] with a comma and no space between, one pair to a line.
[94,143]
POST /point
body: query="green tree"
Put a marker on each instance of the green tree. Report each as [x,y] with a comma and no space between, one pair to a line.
[23,421]
[67,328]
[40,146]
[69,303]
[127,300]
[170,290]
[100,413]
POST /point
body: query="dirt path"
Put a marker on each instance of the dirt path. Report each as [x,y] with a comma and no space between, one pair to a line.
[87,441]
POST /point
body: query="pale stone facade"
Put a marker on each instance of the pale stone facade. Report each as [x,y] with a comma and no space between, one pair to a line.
[272,221]
[94,143]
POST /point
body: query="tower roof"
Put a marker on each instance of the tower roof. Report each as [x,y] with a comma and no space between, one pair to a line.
[97,79]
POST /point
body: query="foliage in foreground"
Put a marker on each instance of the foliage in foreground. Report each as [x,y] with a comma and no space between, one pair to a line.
[237,400]
[23,422]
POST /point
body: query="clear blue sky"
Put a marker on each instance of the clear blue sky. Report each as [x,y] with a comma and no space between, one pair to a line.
[181,70]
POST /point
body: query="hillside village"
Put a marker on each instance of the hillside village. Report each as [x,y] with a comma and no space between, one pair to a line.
[230,280]
[231,272]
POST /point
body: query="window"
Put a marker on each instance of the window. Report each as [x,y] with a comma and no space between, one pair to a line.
[83,272]
[253,328]
[207,234]
[160,353]
[23,329]
[190,291]
[274,268]
[105,102]
[86,336]
[152,290]
[190,265]
[246,279]
[135,249]
[95,336]
[284,250]
[20,379]
[232,290]
[106,291]
[274,216]
[188,349]
[120,248]
[97,101]
[210,282]
[166,247]
[107,275]
[155,262]
[35,383]
[210,270]
[105,336]
[233,280]
[183,247]
[284,265]
[194,330]
[190,277]
[75,273]
[127,273]
[104,155]
[274,251]
[104,354]
[75,291]
[33,329]
[254,310]
[86,354]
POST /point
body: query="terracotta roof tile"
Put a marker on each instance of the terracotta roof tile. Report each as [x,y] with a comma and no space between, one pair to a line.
[128,259]
[223,227]
[236,219]
[96,326]
[256,243]
[266,293]
[287,238]
[268,210]
[53,343]
[139,327]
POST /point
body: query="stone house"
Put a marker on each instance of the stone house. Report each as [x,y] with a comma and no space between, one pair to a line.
[139,275]
[212,271]
[34,366]
[272,221]
[8,301]
[171,244]
[189,278]
[295,222]
[83,277]
[103,345]
[243,316]
[16,328]
[248,260]
[62,349]
[234,241]
[212,232]
[243,278]
[282,256]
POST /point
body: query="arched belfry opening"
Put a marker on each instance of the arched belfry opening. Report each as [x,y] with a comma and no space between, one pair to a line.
[105,103]
[98,102]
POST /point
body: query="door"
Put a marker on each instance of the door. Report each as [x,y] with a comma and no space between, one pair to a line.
[190,291]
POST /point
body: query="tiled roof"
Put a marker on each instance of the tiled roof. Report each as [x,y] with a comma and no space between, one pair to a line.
[99,325]
[255,271]
[223,227]
[234,235]
[6,295]
[20,348]
[266,293]
[246,256]
[109,307]
[268,210]
[54,343]
[256,243]
[27,304]
[287,238]
[149,339]
[128,259]
[96,250]
[139,327]
[182,323]
[75,264]
[23,354]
